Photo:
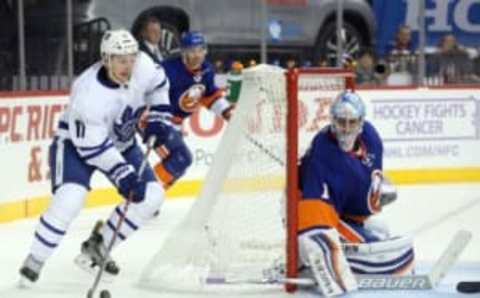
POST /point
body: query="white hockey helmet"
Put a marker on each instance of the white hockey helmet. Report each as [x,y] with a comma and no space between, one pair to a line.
[348,114]
[118,42]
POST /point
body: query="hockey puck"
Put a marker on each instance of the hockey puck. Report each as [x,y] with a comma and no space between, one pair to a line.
[468,287]
[105,294]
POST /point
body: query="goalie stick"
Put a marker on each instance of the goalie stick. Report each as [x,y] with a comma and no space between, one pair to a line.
[373,282]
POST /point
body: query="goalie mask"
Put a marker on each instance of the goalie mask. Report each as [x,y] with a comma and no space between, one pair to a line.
[348,114]
[194,49]
[119,50]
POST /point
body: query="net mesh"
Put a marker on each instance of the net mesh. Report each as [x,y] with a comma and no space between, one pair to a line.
[236,227]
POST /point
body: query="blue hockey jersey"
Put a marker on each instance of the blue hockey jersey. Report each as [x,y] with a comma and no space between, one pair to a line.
[342,179]
[189,90]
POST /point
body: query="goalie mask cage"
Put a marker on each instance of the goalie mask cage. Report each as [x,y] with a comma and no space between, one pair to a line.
[241,226]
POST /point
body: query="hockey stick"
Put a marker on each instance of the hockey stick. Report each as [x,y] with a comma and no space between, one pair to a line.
[374,282]
[120,221]
[468,287]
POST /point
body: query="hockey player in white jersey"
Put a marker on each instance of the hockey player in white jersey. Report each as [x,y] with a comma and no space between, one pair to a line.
[97,132]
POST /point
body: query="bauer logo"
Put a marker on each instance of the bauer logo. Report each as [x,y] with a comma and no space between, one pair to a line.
[385,282]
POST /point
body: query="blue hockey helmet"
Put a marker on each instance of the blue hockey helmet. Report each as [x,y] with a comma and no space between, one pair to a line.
[348,114]
[192,39]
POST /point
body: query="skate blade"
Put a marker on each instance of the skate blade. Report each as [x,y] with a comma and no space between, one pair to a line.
[84,263]
[25,283]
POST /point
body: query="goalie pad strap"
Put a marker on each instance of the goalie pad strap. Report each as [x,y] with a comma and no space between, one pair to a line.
[392,256]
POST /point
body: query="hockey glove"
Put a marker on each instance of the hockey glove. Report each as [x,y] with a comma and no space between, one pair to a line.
[159,129]
[132,188]
[227,113]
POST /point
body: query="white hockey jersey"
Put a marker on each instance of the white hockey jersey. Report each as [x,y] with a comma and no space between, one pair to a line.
[101,117]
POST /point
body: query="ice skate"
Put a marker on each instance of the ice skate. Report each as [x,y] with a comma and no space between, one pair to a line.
[29,272]
[93,252]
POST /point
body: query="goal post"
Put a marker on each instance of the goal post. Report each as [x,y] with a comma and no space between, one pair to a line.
[327,79]
[244,222]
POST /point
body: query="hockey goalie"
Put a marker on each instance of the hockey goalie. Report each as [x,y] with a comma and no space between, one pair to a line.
[342,186]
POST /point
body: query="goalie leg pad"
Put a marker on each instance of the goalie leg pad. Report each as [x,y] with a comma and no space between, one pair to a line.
[370,230]
[320,250]
[392,256]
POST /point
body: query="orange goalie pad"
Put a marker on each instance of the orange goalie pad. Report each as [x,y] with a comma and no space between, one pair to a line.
[316,212]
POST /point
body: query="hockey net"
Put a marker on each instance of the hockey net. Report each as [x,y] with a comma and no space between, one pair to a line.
[238,228]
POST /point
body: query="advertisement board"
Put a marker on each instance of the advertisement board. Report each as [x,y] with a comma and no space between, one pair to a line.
[430,136]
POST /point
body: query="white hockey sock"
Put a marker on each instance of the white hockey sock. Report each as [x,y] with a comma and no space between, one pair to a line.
[54,222]
[137,215]
[48,235]
[130,224]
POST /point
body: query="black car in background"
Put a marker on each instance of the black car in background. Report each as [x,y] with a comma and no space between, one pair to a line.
[303,29]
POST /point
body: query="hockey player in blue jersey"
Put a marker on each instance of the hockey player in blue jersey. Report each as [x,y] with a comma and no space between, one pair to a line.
[192,86]
[342,185]
[97,133]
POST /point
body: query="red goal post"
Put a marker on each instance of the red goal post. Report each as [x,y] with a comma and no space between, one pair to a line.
[293,76]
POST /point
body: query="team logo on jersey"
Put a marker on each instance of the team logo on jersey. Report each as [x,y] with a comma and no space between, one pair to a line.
[368,159]
[189,101]
[197,77]
[124,126]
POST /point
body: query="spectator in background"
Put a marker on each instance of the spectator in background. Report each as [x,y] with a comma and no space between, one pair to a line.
[151,35]
[400,52]
[252,63]
[291,63]
[452,61]
[234,82]
[365,68]
[402,45]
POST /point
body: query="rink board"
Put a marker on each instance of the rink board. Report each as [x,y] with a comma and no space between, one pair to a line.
[430,136]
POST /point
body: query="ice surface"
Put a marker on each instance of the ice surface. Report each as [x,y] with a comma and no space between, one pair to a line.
[433,212]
